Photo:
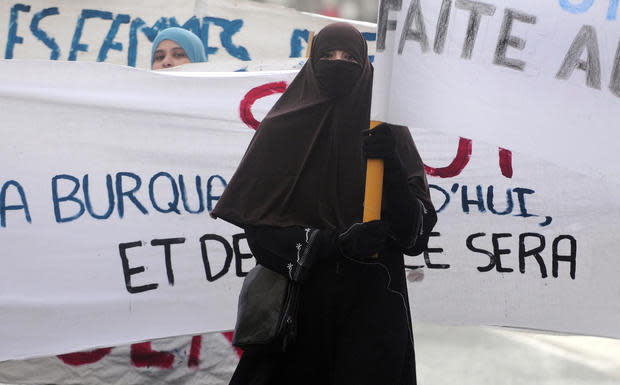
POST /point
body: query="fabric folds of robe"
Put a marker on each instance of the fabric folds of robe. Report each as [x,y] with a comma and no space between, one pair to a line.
[354,323]
[304,166]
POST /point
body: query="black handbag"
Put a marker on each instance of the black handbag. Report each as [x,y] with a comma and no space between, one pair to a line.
[266,312]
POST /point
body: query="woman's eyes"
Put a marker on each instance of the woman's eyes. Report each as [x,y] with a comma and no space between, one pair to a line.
[178,54]
[331,55]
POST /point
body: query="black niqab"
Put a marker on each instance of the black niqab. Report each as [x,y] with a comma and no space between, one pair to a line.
[304,165]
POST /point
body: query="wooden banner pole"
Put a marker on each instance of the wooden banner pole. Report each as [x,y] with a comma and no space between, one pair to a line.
[374,186]
[309,47]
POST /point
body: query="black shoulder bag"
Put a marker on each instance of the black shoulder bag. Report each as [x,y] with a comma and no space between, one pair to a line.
[267,311]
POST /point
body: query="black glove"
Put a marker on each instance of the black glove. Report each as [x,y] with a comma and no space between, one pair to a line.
[363,240]
[380,144]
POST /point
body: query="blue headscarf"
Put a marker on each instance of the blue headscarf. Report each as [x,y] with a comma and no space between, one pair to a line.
[187,40]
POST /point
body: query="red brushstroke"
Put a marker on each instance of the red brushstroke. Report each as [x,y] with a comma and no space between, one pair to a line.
[194,352]
[84,358]
[463,154]
[143,356]
[505,162]
[245,107]
[229,337]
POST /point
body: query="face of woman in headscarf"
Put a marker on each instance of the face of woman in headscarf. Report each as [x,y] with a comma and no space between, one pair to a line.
[175,46]
[169,54]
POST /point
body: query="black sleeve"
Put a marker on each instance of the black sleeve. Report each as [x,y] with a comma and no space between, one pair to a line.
[401,209]
[290,251]
[410,220]
[429,219]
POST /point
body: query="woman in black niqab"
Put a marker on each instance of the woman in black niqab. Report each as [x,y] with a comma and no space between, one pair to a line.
[299,191]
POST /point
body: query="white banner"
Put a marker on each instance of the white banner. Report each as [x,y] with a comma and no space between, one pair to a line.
[207,359]
[236,33]
[541,77]
[109,173]
[108,176]
[113,31]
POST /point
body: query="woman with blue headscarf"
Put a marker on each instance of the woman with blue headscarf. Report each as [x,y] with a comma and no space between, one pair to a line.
[175,46]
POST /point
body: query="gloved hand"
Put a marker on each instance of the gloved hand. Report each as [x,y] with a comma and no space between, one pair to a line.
[363,240]
[380,144]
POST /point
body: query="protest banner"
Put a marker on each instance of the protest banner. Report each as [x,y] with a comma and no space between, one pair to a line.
[106,186]
[91,166]
[540,77]
[238,35]
[207,359]
[114,31]
[109,174]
